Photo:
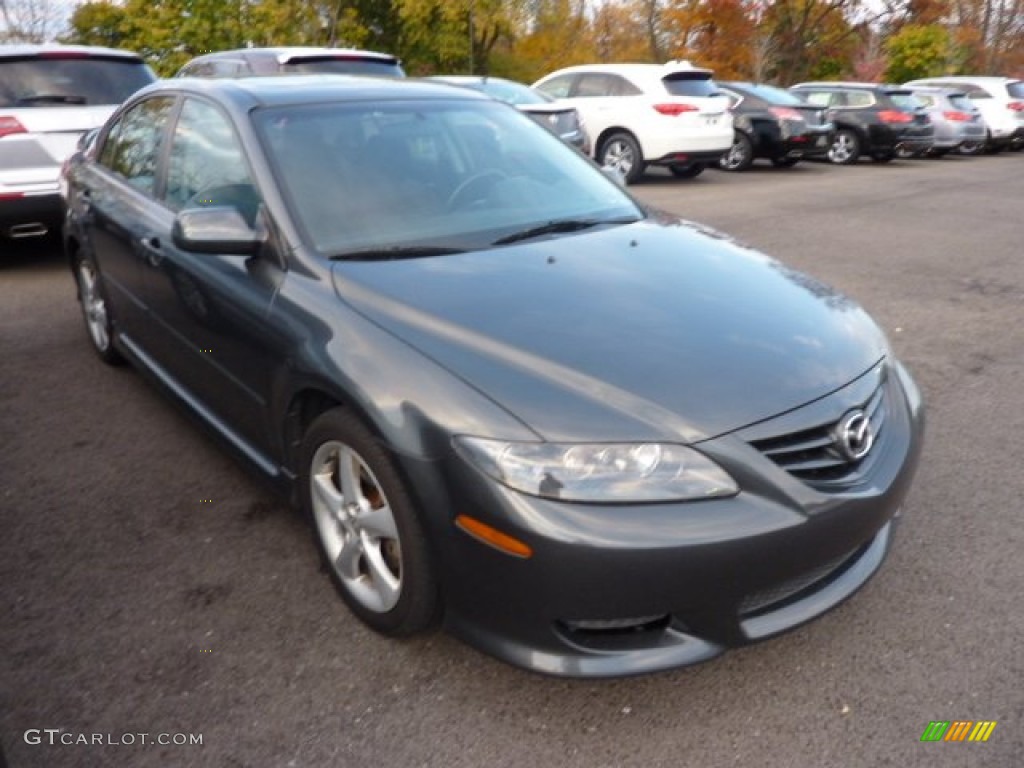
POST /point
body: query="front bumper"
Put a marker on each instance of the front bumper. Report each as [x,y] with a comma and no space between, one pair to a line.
[615,590]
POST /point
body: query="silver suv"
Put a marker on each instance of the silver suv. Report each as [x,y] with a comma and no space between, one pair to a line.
[50,95]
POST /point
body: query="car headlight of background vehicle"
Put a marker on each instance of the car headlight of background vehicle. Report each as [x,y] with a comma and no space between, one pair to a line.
[599,472]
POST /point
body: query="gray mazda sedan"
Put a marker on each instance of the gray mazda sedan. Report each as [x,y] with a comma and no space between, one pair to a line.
[588,438]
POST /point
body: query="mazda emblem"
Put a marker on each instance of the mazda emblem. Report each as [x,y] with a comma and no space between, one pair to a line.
[854,435]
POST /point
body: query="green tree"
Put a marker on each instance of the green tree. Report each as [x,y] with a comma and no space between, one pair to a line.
[917,51]
[97,23]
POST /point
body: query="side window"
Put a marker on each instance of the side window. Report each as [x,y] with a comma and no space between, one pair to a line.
[859,99]
[593,85]
[207,166]
[620,86]
[817,98]
[557,87]
[132,148]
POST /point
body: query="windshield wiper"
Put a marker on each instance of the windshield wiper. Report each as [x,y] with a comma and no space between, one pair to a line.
[51,98]
[396,252]
[558,226]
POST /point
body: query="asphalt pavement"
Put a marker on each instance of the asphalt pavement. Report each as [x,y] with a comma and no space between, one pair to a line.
[152,591]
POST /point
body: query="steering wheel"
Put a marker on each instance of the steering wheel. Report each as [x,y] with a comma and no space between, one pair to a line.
[473,185]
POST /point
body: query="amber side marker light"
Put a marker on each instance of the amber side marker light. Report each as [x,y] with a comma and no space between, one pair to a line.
[493,536]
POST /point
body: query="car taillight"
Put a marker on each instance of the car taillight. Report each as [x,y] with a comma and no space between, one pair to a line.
[9,125]
[1016,106]
[894,116]
[786,113]
[675,109]
[957,117]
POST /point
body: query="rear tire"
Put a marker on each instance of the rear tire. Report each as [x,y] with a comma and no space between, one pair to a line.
[740,156]
[845,149]
[96,311]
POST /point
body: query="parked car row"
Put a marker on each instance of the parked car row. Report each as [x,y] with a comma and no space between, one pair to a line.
[628,117]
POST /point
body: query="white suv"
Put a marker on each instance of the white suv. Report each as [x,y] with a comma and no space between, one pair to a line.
[1000,100]
[647,114]
[49,96]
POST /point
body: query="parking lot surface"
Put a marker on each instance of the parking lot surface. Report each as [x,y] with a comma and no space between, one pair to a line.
[148,585]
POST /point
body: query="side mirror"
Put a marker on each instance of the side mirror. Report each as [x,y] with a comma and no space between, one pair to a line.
[218,229]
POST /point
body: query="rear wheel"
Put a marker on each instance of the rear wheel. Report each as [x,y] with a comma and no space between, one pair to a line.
[740,156]
[96,311]
[971,148]
[621,152]
[845,149]
[367,532]
[687,170]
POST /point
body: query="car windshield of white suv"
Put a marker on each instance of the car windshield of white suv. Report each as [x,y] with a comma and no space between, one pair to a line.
[406,179]
[69,80]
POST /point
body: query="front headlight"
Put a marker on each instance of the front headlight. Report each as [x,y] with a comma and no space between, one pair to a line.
[599,472]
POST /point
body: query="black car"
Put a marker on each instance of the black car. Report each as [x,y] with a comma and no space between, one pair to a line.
[556,116]
[877,121]
[295,60]
[774,124]
[580,434]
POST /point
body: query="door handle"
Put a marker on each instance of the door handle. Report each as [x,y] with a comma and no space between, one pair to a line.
[153,250]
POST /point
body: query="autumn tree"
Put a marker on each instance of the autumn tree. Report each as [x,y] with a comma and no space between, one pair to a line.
[917,51]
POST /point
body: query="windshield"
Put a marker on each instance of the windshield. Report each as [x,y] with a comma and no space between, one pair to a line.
[47,82]
[430,176]
[348,65]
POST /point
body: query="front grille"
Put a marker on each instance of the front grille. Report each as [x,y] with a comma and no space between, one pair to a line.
[813,455]
[777,596]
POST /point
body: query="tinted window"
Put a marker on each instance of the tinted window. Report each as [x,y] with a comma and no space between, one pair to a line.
[45,82]
[458,173]
[817,98]
[345,66]
[859,99]
[512,93]
[697,84]
[557,87]
[132,149]
[905,100]
[206,165]
[962,103]
[775,95]
[1016,89]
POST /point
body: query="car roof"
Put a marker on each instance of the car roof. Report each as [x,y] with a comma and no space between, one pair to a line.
[285,90]
[845,84]
[988,79]
[31,50]
[943,90]
[634,69]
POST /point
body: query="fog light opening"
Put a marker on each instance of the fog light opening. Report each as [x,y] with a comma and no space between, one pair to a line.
[493,537]
[625,626]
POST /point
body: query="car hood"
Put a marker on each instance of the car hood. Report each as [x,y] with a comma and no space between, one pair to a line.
[654,330]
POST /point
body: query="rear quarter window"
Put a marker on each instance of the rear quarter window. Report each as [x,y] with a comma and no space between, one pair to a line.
[344,66]
[34,82]
[1016,90]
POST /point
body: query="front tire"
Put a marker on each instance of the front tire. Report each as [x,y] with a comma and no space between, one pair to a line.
[96,311]
[845,149]
[621,152]
[740,156]
[367,532]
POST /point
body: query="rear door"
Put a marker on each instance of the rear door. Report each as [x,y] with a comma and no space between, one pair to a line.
[116,197]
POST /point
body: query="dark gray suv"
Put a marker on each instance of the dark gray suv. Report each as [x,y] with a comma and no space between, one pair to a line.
[879,121]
